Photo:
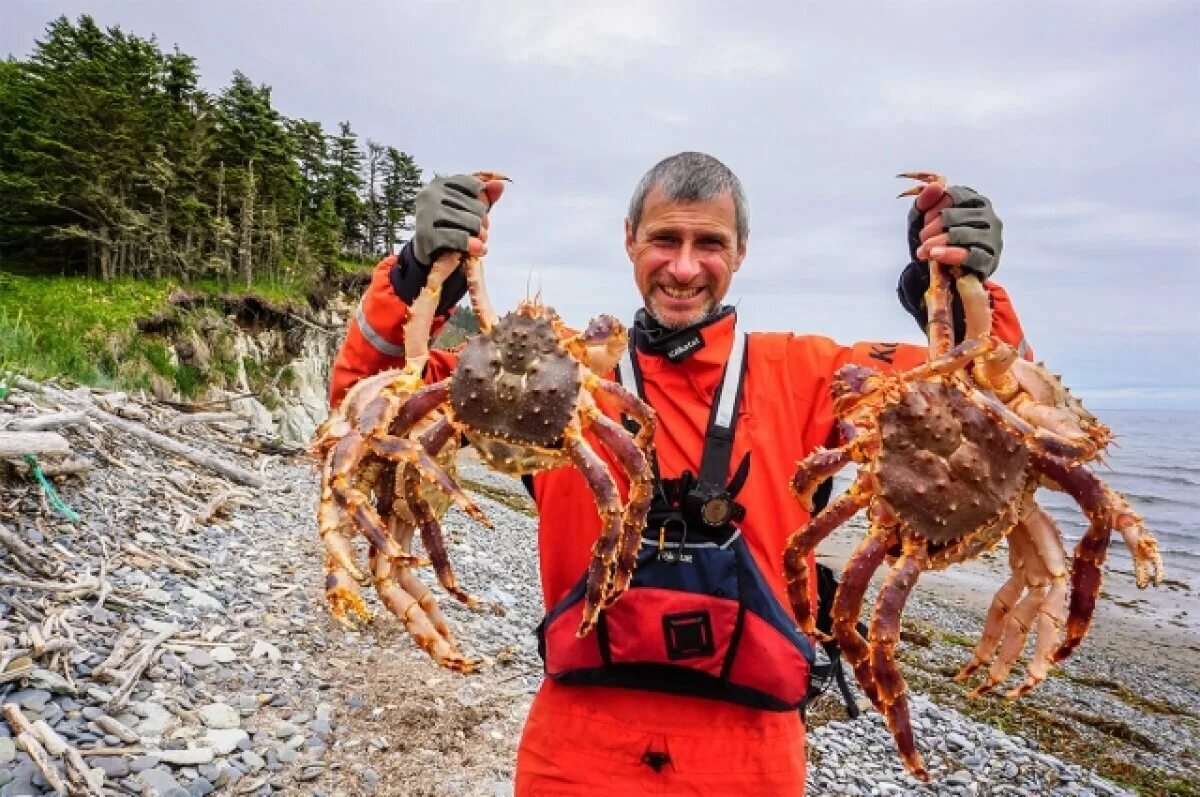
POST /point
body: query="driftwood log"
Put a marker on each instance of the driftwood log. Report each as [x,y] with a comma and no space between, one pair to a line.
[138,430]
[42,423]
[14,445]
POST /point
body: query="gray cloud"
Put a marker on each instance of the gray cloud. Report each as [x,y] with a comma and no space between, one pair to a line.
[1079,119]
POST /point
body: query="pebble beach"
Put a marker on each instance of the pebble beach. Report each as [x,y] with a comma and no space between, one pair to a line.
[249,688]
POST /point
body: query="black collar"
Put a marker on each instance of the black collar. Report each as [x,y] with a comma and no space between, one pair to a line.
[651,337]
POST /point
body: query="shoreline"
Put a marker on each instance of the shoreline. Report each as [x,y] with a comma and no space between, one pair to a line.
[1159,625]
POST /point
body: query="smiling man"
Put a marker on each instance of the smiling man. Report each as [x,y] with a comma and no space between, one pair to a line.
[659,700]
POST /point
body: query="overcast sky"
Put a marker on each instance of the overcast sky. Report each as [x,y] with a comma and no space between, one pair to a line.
[1080,120]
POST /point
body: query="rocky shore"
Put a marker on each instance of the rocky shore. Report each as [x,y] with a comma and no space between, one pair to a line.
[176,644]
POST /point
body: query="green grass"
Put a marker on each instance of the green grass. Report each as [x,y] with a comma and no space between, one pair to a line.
[85,331]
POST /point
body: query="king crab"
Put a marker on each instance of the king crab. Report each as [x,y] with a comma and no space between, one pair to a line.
[386,486]
[523,393]
[947,469]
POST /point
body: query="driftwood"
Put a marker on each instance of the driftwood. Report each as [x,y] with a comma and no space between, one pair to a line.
[135,666]
[14,445]
[76,589]
[28,741]
[41,741]
[41,423]
[126,644]
[171,446]
[184,419]
[26,554]
[67,467]
[138,430]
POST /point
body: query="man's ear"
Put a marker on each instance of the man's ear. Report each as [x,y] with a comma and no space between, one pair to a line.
[629,238]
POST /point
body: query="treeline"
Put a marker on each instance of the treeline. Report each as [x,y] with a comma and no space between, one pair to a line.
[113,162]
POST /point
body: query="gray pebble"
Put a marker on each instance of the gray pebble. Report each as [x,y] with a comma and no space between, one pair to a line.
[199,787]
[115,767]
[8,750]
[159,781]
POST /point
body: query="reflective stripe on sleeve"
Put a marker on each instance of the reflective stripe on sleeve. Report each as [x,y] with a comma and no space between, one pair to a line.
[373,337]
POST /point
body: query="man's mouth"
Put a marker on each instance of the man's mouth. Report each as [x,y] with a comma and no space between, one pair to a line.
[680,293]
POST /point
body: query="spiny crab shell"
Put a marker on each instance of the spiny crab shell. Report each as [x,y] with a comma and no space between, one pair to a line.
[946,468]
[515,390]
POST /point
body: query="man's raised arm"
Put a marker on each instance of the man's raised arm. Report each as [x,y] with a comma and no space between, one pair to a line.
[451,216]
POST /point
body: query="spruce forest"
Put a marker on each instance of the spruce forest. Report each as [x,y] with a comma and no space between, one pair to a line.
[115,163]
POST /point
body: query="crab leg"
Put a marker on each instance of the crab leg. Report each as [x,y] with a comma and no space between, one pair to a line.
[823,463]
[431,536]
[1043,564]
[1143,548]
[399,591]
[805,541]
[848,604]
[424,402]
[604,551]
[436,436]
[940,326]
[480,303]
[884,636]
[641,484]
[950,362]
[1047,542]
[402,449]
[332,523]
[343,596]
[1002,603]
[409,582]
[629,404]
[343,459]
[1051,443]
[1092,549]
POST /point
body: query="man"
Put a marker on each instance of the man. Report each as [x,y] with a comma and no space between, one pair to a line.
[686,235]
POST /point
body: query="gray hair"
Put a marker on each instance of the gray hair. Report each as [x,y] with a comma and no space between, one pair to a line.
[691,177]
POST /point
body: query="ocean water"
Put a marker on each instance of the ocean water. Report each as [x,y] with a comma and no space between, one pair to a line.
[1155,462]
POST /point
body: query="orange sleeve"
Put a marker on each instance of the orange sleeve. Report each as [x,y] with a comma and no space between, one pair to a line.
[825,357]
[375,337]
[1005,324]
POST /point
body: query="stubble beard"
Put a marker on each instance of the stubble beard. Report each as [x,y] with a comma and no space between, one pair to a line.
[704,312]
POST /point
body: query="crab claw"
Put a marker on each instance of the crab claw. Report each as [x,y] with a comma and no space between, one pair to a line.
[924,177]
[344,599]
[488,177]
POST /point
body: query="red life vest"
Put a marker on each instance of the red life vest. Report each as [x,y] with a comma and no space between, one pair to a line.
[699,618]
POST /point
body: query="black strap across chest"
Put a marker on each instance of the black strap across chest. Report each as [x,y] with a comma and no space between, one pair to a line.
[722,422]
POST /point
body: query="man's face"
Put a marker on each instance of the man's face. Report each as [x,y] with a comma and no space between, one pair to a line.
[684,256]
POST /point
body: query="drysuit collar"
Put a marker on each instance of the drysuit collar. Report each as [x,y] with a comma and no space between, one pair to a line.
[677,345]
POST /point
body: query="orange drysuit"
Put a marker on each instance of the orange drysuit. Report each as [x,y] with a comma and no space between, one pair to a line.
[598,739]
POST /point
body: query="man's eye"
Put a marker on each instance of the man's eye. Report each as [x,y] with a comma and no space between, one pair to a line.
[664,240]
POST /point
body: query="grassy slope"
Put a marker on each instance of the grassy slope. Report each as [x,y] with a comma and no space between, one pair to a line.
[85,331]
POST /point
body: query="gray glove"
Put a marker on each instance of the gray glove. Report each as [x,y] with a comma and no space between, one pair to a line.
[971,224]
[449,212]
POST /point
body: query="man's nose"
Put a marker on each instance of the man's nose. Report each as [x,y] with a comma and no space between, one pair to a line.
[685,267]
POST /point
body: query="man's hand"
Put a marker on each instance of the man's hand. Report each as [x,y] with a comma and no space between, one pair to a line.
[452,216]
[955,225]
